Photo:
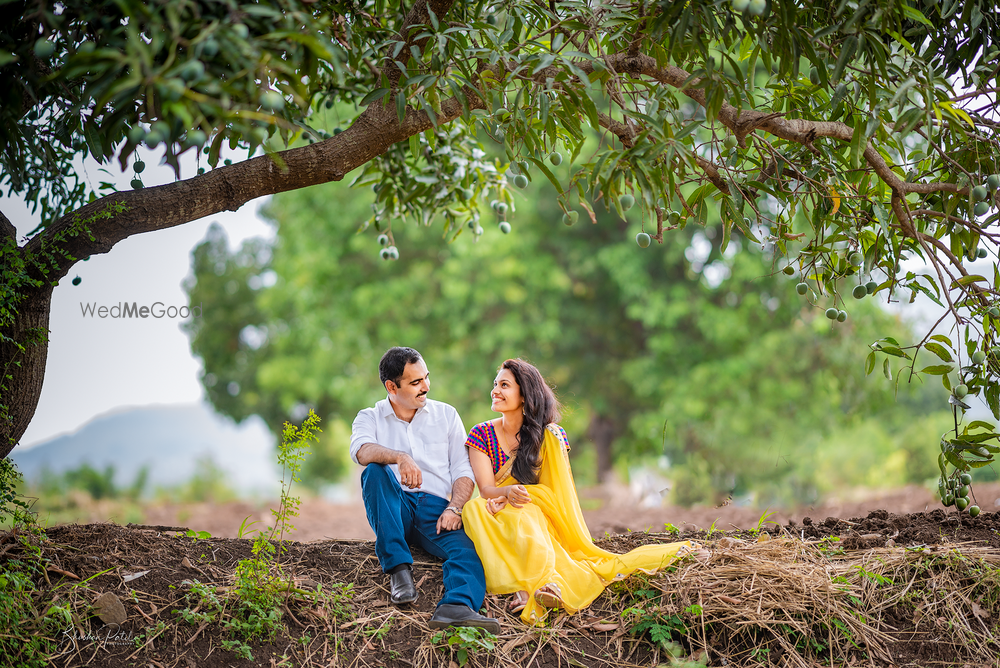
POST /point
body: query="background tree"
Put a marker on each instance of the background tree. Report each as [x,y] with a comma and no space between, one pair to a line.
[876,134]
[703,355]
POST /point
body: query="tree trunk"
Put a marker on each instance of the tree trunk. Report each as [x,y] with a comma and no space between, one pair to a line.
[24,370]
[603,431]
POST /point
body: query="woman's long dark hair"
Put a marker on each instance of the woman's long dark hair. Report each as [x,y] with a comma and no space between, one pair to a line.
[540,408]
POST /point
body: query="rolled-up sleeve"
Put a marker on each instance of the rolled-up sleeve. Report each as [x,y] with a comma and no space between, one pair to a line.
[362,431]
[458,454]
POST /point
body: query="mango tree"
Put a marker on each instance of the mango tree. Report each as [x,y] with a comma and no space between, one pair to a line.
[872,140]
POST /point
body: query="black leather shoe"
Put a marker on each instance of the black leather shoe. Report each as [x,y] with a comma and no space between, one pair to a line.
[462,615]
[401,587]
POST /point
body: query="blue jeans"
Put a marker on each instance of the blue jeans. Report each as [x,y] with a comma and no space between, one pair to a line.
[401,519]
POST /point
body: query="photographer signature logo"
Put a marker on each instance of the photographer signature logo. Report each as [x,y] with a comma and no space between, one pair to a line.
[133,310]
[113,635]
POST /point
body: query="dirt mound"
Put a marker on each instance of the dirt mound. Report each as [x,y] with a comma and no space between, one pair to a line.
[884,589]
[617,513]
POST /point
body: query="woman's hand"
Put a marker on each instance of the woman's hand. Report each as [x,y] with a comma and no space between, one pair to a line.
[518,495]
[494,506]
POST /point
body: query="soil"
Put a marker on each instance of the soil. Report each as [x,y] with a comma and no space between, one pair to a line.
[616,513]
[151,570]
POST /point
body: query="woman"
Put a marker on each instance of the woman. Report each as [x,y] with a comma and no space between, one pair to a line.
[527,524]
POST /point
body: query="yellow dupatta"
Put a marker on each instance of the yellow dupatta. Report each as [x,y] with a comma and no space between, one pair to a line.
[547,540]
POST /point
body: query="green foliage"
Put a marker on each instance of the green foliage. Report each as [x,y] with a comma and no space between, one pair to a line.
[12,506]
[864,135]
[636,341]
[463,642]
[330,459]
[29,636]
[121,73]
[973,448]
[208,483]
[260,579]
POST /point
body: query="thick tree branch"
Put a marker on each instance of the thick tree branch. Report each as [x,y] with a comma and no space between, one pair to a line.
[229,188]
[7,228]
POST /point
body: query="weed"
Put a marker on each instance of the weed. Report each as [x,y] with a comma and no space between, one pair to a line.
[29,636]
[671,529]
[463,642]
[150,634]
[879,580]
[238,648]
[762,521]
[378,632]
[260,579]
[712,530]
[830,546]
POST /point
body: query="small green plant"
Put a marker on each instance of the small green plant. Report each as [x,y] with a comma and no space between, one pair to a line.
[463,642]
[879,580]
[830,546]
[30,633]
[260,579]
[671,529]
[764,519]
[238,648]
[149,634]
[14,508]
[378,632]
[712,530]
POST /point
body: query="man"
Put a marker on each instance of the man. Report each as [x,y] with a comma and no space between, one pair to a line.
[413,451]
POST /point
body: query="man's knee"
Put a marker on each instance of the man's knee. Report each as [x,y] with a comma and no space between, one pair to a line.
[375,474]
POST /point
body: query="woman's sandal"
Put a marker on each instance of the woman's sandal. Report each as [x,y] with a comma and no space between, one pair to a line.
[518,603]
[549,596]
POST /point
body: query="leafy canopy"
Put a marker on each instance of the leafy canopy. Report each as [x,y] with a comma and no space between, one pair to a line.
[738,381]
[871,138]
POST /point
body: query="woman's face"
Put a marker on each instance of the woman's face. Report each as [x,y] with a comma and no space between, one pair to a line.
[506,393]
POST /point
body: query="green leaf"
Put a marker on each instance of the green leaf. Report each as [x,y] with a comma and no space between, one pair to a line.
[376,94]
[969,280]
[938,370]
[870,363]
[938,350]
[400,106]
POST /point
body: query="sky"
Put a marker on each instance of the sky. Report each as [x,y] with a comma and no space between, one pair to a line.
[96,366]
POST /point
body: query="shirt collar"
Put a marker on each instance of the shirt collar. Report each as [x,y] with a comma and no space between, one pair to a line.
[386,409]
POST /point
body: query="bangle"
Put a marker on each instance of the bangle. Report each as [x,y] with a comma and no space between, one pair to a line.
[455,509]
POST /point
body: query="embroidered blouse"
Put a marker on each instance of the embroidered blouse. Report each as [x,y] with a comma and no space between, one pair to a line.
[483,437]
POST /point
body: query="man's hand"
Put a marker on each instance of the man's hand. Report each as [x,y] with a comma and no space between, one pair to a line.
[410,475]
[449,521]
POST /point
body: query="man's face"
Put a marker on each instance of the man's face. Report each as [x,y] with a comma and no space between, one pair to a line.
[411,393]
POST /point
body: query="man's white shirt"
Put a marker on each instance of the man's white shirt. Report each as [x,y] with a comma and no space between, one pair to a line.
[435,439]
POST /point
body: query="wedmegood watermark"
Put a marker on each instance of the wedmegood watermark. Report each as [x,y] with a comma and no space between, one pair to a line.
[133,310]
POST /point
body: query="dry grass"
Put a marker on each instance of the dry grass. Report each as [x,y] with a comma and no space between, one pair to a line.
[781,602]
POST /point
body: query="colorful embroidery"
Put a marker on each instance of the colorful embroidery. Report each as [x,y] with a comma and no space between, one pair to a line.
[484,438]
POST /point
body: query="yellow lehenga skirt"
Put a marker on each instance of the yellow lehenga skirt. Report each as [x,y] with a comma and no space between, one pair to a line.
[547,541]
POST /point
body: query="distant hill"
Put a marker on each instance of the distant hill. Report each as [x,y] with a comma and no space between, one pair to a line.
[169,440]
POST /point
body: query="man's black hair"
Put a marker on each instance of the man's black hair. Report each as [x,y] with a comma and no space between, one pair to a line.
[394,362]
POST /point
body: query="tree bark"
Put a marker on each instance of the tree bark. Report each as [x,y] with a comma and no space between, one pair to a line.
[603,431]
[24,370]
